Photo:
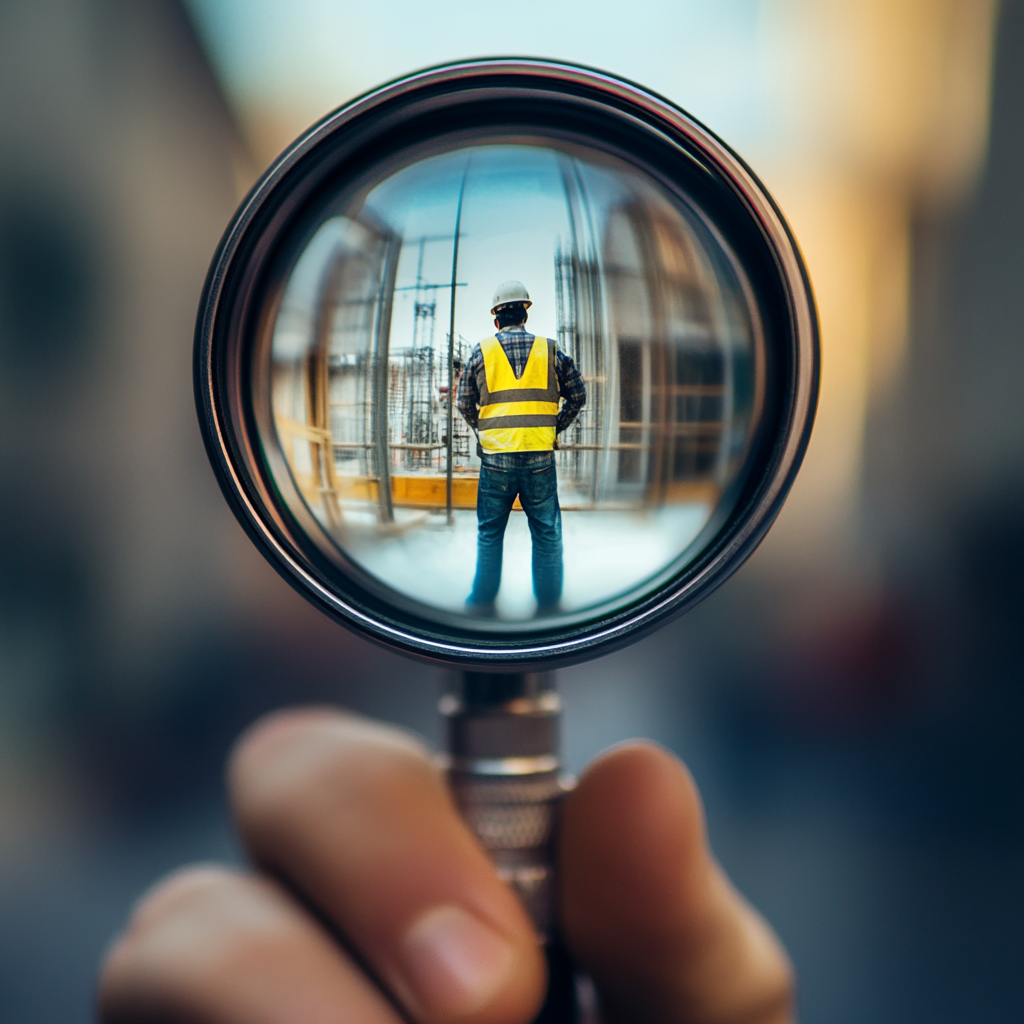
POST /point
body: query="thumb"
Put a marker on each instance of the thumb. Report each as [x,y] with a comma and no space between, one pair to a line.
[648,912]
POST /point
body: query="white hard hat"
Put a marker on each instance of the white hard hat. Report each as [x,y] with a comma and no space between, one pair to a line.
[510,291]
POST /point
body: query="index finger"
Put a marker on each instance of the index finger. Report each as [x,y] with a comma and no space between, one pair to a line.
[356,817]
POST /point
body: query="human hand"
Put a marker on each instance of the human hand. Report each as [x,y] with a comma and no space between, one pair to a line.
[367,882]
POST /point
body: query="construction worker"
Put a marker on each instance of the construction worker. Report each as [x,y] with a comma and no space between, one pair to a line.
[509,394]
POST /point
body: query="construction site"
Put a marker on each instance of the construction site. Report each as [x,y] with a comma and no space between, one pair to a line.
[368,355]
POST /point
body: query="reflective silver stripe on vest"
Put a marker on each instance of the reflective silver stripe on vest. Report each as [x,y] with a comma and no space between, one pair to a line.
[520,395]
[504,422]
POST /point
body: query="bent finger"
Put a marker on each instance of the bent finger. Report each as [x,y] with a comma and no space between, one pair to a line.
[359,820]
[210,946]
[671,941]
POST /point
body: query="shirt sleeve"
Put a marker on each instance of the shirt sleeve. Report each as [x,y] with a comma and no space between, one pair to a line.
[468,394]
[572,388]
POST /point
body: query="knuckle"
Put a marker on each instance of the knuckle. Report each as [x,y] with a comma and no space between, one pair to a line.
[275,732]
[195,928]
[289,764]
[181,890]
[178,933]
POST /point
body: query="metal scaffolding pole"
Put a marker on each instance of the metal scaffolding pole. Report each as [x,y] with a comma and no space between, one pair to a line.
[379,370]
[451,349]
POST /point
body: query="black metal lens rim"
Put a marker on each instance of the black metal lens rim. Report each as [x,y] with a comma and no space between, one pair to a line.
[227,428]
[306,533]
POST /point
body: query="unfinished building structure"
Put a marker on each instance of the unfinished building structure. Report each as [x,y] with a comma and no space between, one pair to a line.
[666,350]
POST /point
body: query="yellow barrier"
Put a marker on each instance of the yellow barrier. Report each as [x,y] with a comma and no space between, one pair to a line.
[412,491]
[428,492]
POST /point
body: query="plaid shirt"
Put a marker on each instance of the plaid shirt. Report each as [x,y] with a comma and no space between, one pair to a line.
[517,344]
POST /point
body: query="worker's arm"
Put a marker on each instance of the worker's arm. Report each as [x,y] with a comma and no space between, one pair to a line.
[468,395]
[572,389]
[371,901]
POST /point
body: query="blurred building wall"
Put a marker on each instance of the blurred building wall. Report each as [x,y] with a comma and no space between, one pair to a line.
[115,179]
[881,111]
[119,168]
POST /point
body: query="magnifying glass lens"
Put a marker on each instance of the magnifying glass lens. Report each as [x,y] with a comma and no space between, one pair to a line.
[506,363]
[510,382]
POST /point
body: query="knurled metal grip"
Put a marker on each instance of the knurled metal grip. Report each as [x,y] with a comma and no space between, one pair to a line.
[515,822]
[504,771]
[503,738]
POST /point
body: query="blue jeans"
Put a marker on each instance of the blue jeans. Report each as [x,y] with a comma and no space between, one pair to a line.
[531,476]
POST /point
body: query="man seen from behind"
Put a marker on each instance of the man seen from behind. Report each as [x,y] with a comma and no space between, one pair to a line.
[510,393]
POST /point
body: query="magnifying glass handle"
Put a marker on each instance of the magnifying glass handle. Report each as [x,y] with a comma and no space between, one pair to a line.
[505,774]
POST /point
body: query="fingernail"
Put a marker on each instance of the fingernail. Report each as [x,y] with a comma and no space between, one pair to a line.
[454,962]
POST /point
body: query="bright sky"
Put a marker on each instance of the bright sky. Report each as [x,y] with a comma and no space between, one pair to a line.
[513,213]
[313,55]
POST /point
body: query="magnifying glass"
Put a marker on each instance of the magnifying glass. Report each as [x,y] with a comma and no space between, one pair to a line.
[504,365]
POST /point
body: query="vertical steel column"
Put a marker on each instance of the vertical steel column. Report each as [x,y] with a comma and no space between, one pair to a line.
[451,348]
[379,370]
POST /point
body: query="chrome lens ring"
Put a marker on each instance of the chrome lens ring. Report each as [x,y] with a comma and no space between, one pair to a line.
[491,96]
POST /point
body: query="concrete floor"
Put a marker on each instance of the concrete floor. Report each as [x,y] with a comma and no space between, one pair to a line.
[434,562]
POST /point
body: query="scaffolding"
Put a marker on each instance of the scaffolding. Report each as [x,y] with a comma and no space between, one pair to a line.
[367,415]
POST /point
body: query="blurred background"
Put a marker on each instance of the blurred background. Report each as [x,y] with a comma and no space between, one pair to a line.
[851,703]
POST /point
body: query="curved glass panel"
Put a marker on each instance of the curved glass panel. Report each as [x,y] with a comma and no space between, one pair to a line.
[421,438]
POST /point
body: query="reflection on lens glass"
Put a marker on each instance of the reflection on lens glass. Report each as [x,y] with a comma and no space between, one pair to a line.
[565,457]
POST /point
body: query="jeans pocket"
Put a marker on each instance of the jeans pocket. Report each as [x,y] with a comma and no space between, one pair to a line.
[494,481]
[542,483]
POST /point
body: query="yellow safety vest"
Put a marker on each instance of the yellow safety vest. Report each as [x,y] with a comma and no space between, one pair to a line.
[518,415]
